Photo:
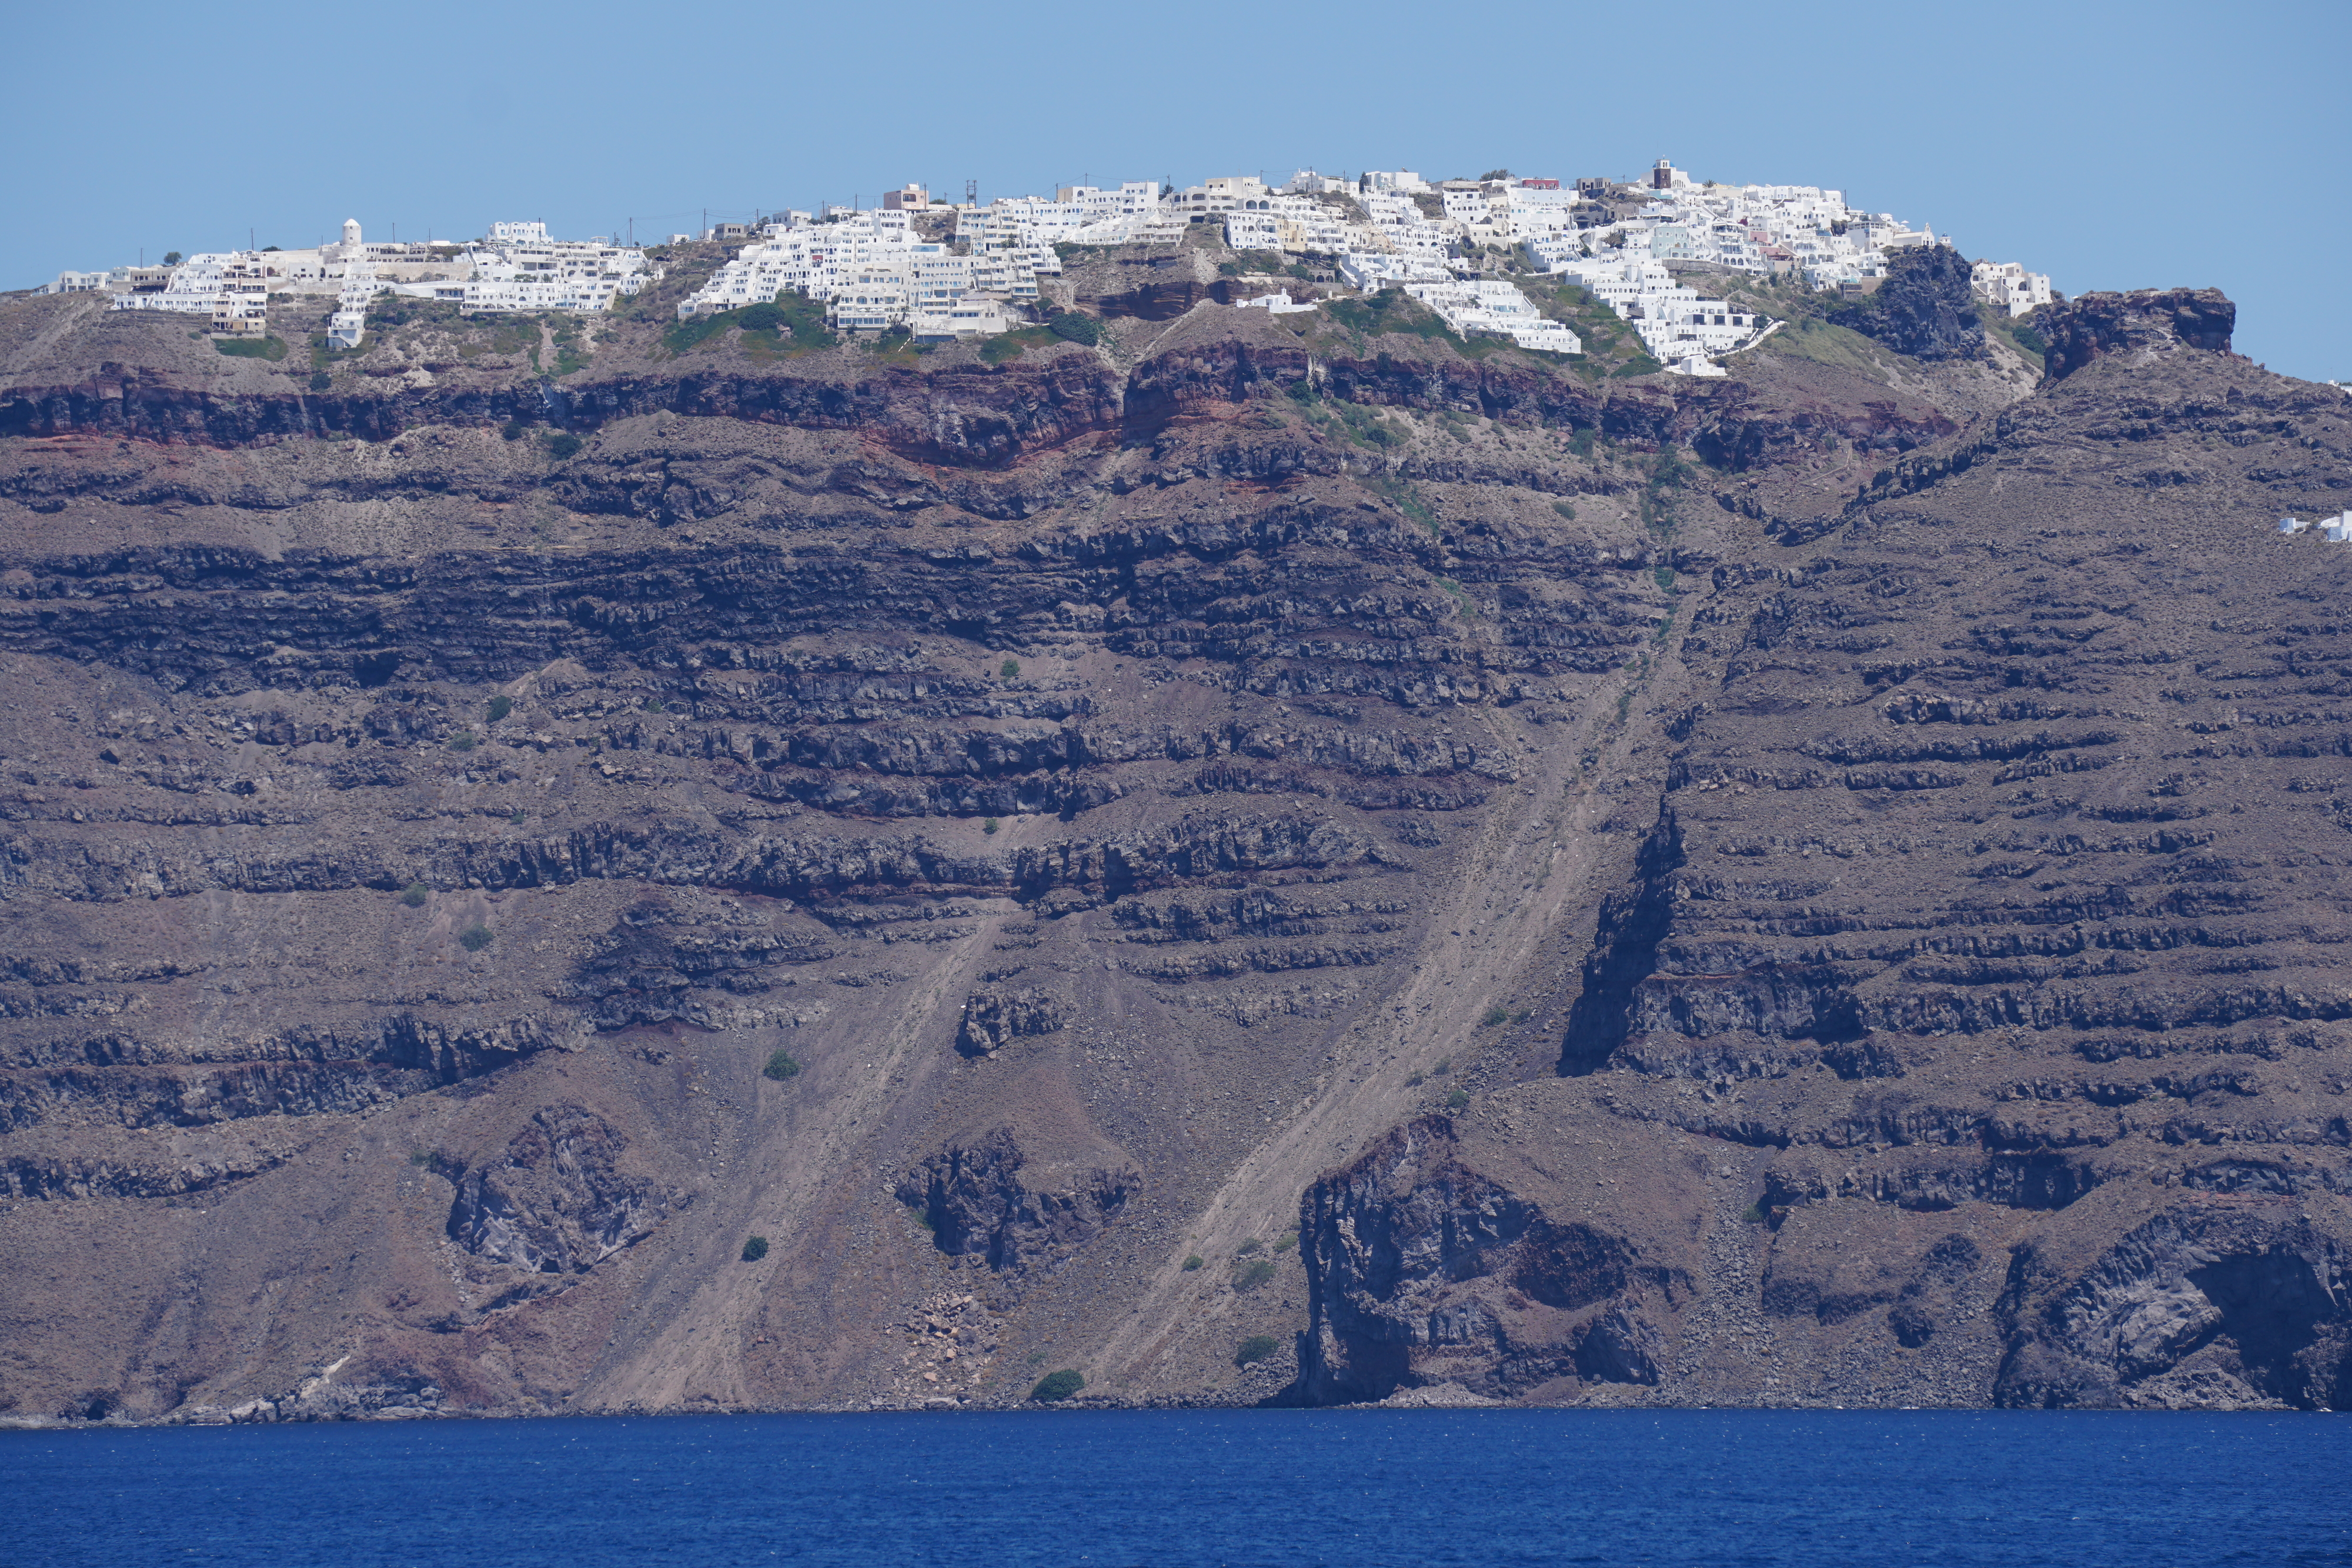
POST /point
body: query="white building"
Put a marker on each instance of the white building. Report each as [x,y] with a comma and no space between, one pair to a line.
[1495,310]
[2009,286]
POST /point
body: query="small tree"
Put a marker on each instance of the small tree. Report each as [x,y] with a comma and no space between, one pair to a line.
[415,895]
[755,1249]
[1055,1386]
[500,706]
[173,258]
[1194,1261]
[988,825]
[781,1066]
[475,938]
[1009,670]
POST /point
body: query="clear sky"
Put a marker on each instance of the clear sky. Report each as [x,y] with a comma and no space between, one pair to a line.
[2111,146]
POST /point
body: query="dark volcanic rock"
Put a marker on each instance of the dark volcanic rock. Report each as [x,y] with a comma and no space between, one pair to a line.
[2147,320]
[1923,307]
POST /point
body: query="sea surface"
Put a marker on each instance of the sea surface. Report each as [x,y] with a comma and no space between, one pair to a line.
[1292,1489]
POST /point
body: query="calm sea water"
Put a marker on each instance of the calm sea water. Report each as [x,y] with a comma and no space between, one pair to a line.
[1358,1488]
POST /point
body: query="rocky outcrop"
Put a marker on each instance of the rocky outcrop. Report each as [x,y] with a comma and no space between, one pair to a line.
[993,1018]
[2144,322]
[2198,1307]
[1923,306]
[991,1202]
[556,1200]
[1422,1271]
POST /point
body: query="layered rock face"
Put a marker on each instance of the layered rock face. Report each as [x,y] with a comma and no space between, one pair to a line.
[1768,890]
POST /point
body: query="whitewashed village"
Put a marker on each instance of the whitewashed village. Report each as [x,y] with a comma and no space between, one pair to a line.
[939,270]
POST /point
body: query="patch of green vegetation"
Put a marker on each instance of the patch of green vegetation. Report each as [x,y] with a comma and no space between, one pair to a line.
[1006,347]
[415,895]
[792,321]
[1193,1263]
[1393,310]
[1077,327]
[320,381]
[988,825]
[562,444]
[653,704]
[1612,347]
[513,430]
[1009,671]
[1753,1215]
[571,348]
[1402,495]
[1495,1015]
[1810,338]
[474,938]
[1255,1348]
[1253,1274]
[1416,1079]
[1056,1387]
[922,1215]
[462,741]
[1248,1247]
[516,333]
[1565,510]
[1444,1065]
[755,1248]
[1664,577]
[2018,332]
[1286,1241]
[500,706]
[1457,1099]
[781,1066]
[272,348]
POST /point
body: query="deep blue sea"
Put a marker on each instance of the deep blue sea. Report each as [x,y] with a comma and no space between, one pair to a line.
[1358,1488]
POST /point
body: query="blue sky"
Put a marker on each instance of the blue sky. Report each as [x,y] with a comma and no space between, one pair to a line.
[2112,146]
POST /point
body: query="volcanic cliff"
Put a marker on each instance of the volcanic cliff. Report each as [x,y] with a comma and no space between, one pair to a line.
[1514,882]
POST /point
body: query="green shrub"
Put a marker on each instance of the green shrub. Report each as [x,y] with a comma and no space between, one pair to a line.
[462,741]
[1008,670]
[500,706]
[653,704]
[1286,1241]
[513,430]
[1077,327]
[1457,1099]
[1055,1386]
[1248,1247]
[1565,510]
[755,1249]
[1494,1016]
[1193,1263]
[1258,1347]
[761,317]
[320,381]
[475,938]
[272,349]
[1257,1272]
[781,1066]
[988,825]
[1444,1065]
[1753,1215]
[415,895]
[1416,1080]
[563,444]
